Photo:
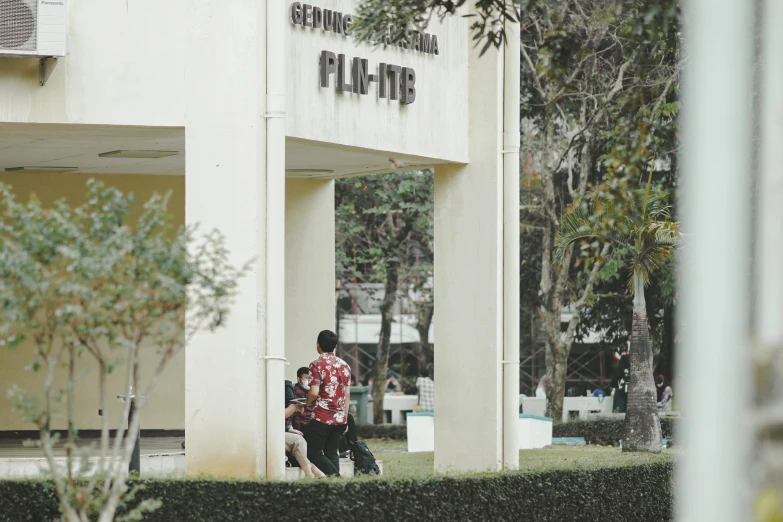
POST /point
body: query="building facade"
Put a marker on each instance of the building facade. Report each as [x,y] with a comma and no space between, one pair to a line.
[259,105]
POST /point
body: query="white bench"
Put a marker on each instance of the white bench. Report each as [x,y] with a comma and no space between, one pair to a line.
[533,431]
[396,404]
[584,407]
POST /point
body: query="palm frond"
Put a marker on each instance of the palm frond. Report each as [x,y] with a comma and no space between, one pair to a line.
[658,207]
[664,233]
[575,226]
[651,258]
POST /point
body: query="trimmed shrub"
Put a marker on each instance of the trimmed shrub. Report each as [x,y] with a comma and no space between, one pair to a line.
[605,432]
[382,431]
[622,494]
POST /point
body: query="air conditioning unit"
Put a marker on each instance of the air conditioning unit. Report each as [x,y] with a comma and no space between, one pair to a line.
[33,28]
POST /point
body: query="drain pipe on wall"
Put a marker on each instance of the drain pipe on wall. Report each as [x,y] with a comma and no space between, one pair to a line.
[511,137]
[275,237]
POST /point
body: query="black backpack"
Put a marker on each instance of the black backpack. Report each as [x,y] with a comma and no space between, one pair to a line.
[363,459]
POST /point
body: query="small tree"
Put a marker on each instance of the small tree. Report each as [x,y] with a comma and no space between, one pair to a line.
[637,225]
[80,283]
[381,222]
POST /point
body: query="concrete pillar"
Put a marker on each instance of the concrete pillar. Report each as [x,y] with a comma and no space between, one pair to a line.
[225,189]
[718,134]
[469,260]
[309,271]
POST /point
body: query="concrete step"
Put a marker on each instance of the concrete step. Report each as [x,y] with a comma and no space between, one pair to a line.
[159,465]
[346,470]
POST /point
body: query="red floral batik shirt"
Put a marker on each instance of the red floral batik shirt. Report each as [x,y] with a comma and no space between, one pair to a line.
[333,376]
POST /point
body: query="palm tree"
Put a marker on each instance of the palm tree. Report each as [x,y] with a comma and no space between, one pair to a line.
[640,230]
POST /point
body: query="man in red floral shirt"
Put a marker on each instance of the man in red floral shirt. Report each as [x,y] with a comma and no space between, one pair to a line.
[330,393]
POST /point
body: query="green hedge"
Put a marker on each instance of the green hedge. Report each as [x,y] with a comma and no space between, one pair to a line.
[606,432]
[623,494]
[382,431]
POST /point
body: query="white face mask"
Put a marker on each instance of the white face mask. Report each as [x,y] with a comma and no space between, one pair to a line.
[305,385]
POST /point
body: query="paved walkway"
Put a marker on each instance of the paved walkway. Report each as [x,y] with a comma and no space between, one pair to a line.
[14,448]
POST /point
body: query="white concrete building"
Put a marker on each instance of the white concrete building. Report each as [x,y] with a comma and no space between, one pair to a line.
[254,109]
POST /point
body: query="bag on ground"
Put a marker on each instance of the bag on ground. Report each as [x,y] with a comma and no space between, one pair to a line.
[363,459]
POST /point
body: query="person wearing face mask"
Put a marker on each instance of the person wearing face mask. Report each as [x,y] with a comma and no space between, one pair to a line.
[302,386]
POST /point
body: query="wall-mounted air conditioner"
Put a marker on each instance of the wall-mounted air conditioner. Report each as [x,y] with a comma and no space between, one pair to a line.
[35,29]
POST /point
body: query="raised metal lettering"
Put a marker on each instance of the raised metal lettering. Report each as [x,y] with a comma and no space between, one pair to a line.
[347,20]
[382,80]
[361,76]
[341,76]
[338,23]
[328,19]
[296,13]
[318,17]
[328,66]
[395,71]
[408,85]
[426,43]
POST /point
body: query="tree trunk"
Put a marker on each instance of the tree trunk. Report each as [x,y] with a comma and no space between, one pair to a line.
[642,423]
[556,368]
[427,353]
[382,354]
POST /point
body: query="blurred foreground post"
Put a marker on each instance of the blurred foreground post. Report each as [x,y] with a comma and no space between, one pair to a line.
[713,482]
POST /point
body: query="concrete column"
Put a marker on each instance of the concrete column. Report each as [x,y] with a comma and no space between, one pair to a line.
[309,271]
[469,261]
[226,189]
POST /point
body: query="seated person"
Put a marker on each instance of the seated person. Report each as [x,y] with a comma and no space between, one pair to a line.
[295,442]
[392,384]
[299,420]
[665,393]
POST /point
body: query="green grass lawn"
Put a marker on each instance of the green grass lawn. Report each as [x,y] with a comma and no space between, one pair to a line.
[397,463]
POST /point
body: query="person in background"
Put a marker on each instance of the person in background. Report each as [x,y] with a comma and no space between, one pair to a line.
[598,392]
[541,388]
[620,384]
[369,386]
[392,384]
[330,390]
[665,393]
[300,420]
[426,391]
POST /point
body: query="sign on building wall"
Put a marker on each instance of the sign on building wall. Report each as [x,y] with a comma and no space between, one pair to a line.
[352,74]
